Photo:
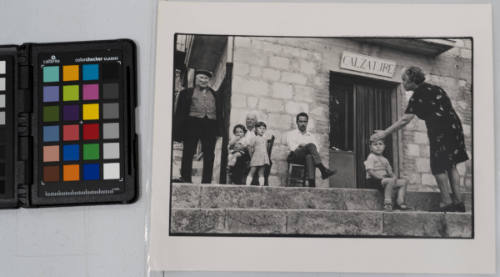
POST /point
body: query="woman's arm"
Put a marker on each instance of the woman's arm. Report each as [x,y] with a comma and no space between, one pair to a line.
[403,121]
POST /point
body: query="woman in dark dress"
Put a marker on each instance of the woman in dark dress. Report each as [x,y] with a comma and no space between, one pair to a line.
[444,129]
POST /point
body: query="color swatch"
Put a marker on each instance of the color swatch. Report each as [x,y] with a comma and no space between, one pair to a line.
[80,121]
[3,125]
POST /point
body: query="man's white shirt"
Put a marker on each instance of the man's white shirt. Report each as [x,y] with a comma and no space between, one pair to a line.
[295,138]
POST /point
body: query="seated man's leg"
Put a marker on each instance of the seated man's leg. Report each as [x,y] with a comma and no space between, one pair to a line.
[310,170]
[313,151]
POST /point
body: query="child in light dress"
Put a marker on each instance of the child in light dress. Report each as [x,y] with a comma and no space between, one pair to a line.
[236,147]
[379,176]
[258,151]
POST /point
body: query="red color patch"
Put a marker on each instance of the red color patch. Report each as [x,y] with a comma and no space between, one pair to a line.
[71,132]
[90,131]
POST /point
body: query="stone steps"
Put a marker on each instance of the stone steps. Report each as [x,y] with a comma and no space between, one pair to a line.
[286,211]
[234,196]
[310,222]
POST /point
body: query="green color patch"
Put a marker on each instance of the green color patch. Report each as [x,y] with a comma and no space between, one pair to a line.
[71,93]
[50,113]
[91,151]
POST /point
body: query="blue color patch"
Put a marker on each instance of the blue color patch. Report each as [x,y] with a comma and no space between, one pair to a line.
[91,172]
[90,72]
[71,152]
[50,133]
[50,74]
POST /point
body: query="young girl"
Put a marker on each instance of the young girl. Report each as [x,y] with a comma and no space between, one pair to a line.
[258,151]
[236,148]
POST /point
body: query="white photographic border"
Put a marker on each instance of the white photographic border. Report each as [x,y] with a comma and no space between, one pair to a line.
[420,255]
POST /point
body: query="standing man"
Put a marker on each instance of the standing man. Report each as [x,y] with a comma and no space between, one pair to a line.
[198,117]
[304,150]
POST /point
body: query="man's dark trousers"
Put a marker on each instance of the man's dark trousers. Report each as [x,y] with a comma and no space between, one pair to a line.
[204,130]
[307,155]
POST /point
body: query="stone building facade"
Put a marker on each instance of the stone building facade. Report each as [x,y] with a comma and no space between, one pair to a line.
[279,77]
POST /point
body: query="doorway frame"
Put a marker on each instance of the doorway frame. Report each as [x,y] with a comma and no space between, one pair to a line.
[397,109]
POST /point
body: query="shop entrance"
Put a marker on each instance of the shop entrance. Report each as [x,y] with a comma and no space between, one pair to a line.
[358,106]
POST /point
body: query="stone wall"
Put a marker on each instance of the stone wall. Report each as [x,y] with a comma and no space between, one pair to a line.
[280,77]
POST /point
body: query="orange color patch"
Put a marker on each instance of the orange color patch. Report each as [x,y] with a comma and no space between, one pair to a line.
[71,73]
[71,172]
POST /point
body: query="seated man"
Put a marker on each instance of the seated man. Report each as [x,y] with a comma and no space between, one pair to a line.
[304,150]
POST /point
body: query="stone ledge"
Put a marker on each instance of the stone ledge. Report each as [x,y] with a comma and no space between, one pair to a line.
[296,222]
[234,196]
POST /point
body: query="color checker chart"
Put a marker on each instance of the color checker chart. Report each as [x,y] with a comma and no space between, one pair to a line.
[81,138]
[74,123]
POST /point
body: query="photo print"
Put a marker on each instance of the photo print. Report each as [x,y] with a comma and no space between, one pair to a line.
[322,136]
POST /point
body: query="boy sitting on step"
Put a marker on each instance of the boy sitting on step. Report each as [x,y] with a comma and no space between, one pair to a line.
[379,176]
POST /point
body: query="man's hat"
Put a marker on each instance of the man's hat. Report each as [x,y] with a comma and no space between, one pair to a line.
[204,72]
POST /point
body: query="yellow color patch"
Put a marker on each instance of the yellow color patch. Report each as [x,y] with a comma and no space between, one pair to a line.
[90,111]
[71,73]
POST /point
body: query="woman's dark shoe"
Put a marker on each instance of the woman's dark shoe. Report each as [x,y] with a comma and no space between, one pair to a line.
[179,180]
[459,207]
[448,208]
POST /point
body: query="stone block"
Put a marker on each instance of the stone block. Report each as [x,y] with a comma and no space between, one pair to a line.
[282,90]
[197,221]
[423,165]
[241,69]
[421,138]
[321,112]
[413,149]
[244,42]
[230,196]
[266,46]
[291,51]
[279,121]
[294,108]
[307,67]
[414,224]
[461,168]
[362,199]
[428,179]
[294,78]
[249,86]
[255,221]
[458,225]
[303,93]
[321,81]
[270,74]
[425,151]
[255,71]
[334,223]
[185,196]
[466,53]
[249,56]
[238,101]
[279,62]
[252,102]
[271,105]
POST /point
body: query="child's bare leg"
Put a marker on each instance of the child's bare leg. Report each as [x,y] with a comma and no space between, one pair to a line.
[261,175]
[388,184]
[442,181]
[401,186]
[250,175]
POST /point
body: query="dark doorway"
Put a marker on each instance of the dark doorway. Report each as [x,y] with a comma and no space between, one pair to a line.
[358,107]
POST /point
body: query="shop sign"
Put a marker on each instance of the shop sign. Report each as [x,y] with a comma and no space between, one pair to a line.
[367,64]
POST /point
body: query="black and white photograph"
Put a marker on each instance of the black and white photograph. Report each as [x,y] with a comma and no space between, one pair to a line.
[322,136]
